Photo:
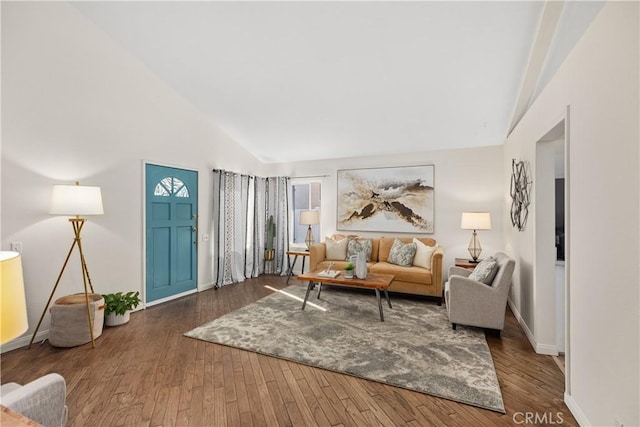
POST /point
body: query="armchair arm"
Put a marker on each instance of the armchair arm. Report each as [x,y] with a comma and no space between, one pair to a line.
[42,400]
[459,271]
[317,254]
[475,304]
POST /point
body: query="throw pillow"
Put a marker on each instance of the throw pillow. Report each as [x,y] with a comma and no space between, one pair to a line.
[402,253]
[485,271]
[336,249]
[423,254]
[358,245]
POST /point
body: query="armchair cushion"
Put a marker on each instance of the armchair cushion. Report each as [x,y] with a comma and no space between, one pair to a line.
[42,400]
[485,271]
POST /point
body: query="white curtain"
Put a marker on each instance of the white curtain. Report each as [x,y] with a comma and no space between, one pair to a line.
[241,205]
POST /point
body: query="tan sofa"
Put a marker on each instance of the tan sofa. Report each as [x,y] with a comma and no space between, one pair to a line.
[411,280]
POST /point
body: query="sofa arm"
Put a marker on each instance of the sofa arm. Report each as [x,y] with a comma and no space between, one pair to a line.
[317,254]
[436,269]
[42,400]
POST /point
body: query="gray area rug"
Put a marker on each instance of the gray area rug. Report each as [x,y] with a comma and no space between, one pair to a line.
[414,348]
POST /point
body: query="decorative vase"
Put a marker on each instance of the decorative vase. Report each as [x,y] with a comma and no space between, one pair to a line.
[361,266]
[113,319]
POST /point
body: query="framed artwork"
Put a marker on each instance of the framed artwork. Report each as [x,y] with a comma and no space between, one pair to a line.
[396,199]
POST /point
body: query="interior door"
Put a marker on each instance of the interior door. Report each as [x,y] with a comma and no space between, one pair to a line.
[171,200]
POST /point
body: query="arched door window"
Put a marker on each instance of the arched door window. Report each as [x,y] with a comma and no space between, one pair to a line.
[171,186]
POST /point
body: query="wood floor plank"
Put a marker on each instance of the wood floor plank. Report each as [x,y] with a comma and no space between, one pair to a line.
[146,373]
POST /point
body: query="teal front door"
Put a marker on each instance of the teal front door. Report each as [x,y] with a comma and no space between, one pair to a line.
[171,200]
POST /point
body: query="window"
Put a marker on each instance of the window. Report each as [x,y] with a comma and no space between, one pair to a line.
[171,185]
[304,196]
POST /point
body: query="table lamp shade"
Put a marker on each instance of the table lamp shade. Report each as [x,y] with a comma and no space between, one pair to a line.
[475,221]
[76,200]
[13,316]
[309,218]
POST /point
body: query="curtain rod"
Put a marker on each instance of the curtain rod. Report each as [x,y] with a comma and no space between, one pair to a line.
[312,176]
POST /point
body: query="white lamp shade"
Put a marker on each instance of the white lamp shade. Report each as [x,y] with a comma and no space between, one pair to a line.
[76,200]
[476,221]
[13,314]
[309,217]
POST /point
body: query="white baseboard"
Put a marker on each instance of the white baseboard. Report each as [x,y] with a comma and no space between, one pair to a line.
[525,328]
[24,341]
[575,409]
[172,297]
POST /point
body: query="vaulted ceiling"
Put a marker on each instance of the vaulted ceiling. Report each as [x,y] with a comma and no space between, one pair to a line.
[295,81]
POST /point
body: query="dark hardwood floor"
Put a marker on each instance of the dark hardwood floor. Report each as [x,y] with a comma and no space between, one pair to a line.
[146,373]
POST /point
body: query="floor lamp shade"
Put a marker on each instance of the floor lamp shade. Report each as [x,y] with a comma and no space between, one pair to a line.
[475,221]
[14,306]
[76,200]
[309,218]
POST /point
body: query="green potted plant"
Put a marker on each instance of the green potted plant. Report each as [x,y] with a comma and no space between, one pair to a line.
[269,251]
[348,271]
[117,307]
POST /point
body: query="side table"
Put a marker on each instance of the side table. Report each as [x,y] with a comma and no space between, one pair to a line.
[466,263]
[295,254]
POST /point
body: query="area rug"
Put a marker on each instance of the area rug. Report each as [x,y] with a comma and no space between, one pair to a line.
[414,348]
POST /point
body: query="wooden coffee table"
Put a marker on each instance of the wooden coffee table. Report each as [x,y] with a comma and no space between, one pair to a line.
[377,282]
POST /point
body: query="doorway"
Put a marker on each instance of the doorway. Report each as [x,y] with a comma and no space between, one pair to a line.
[171,215]
[552,254]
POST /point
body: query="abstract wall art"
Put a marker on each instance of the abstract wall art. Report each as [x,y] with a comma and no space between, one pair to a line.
[394,199]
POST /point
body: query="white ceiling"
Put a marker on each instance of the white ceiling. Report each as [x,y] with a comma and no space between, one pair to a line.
[297,81]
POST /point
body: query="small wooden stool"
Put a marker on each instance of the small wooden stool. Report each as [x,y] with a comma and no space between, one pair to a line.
[69,324]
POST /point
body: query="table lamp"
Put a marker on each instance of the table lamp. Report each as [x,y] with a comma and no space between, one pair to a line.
[309,218]
[75,200]
[475,221]
[13,304]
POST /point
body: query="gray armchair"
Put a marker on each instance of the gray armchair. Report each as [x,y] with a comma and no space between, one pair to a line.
[42,400]
[475,303]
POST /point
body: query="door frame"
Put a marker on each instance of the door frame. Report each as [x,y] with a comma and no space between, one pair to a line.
[146,304]
[564,120]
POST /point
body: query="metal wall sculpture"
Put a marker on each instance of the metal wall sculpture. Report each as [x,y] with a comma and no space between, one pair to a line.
[520,200]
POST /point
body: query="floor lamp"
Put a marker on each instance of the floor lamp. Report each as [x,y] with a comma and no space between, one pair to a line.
[75,200]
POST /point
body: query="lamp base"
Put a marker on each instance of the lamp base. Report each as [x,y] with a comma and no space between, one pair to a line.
[473,261]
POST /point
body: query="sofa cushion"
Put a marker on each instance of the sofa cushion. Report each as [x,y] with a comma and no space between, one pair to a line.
[424,253]
[336,249]
[402,254]
[485,271]
[385,244]
[359,245]
[404,274]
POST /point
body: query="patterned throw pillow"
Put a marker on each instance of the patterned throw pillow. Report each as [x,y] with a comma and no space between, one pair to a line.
[402,253]
[336,249]
[423,254]
[485,271]
[358,245]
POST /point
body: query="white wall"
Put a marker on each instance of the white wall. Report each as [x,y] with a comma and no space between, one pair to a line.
[75,106]
[599,83]
[465,180]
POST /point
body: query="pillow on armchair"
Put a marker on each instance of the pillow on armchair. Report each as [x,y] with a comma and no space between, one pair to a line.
[485,271]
